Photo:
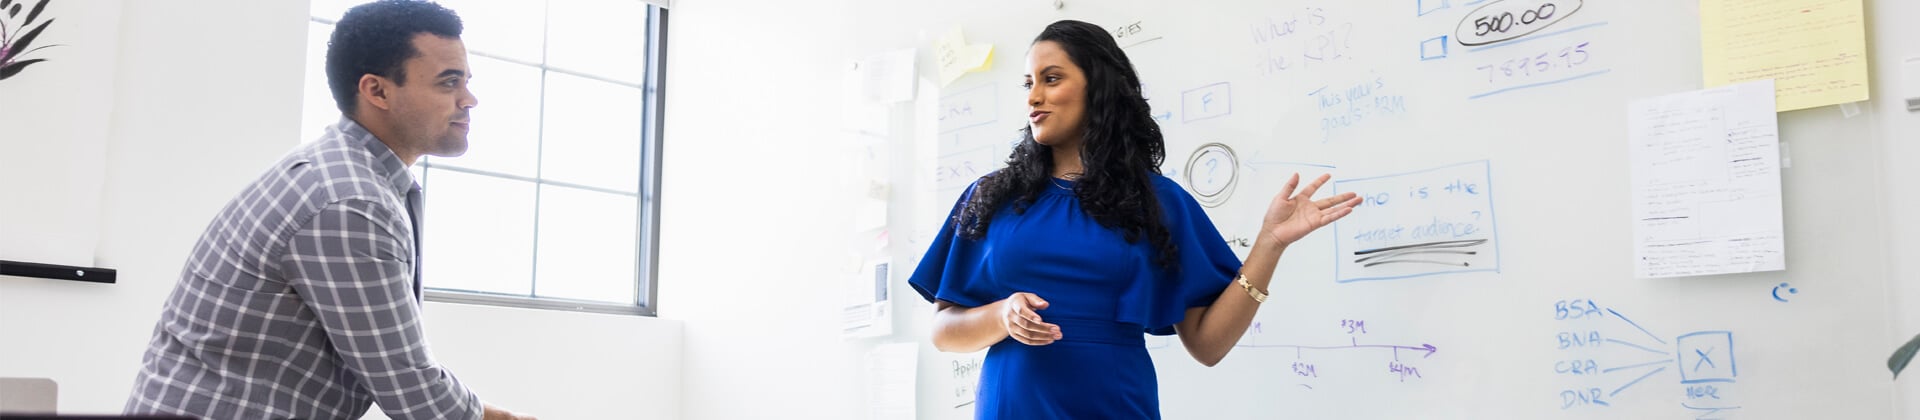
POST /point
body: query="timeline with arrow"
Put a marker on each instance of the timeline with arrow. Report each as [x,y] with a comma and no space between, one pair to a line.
[1401,360]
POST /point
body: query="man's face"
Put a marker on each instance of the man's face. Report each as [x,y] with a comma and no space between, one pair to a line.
[430,111]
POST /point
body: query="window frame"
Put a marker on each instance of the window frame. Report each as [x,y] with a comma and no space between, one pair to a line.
[647,211]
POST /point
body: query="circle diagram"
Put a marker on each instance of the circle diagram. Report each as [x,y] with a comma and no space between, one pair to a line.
[1211,173]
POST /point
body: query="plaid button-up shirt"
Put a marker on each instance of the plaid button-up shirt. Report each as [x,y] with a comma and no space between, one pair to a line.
[301,299]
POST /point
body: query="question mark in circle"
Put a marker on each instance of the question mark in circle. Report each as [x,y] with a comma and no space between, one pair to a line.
[1212,165]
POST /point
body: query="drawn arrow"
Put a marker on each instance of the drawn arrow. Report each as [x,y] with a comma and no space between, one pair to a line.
[1429,348]
[1635,325]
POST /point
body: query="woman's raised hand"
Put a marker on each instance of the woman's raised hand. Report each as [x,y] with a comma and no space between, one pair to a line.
[1292,216]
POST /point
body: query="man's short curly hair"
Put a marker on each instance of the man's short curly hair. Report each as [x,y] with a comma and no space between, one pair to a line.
[377,38]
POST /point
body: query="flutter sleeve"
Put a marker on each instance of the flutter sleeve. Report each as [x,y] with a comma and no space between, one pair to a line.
[952,268]
[1159,296]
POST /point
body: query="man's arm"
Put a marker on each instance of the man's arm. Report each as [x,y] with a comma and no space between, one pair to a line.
[352,272]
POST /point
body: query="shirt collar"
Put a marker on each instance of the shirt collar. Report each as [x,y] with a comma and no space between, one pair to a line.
[387,163]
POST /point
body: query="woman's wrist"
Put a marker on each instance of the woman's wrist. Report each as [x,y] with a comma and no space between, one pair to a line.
[1272,235]
[1269,239]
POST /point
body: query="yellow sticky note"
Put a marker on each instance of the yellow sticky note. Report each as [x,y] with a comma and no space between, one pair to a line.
[1814,50]
[956,58]
[980,55]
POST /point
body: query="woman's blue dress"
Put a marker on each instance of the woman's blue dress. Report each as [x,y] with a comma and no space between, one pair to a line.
[1102,291]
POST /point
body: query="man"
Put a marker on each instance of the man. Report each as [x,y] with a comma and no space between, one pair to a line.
[302,298]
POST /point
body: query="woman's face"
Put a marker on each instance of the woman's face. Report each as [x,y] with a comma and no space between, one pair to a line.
[1056,96]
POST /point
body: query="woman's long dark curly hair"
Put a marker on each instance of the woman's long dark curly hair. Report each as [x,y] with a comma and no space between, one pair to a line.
[1120,150]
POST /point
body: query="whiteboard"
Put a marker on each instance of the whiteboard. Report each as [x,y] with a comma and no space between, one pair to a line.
[1546,317]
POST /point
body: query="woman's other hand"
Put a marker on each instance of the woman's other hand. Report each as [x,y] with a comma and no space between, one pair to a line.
[1021,318]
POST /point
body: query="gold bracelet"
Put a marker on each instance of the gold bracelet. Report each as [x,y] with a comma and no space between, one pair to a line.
[1258,297]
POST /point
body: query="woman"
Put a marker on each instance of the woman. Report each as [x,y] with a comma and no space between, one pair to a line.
[1081,217]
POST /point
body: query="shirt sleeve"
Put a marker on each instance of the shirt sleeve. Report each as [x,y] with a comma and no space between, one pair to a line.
[356,275]
[951,269]
[1203,268]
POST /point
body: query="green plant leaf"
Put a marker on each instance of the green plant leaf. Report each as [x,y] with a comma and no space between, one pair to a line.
[1903,355]
[12,69]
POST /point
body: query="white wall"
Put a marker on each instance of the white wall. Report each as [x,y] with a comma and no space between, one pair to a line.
[1895,39]
[80,71]
[207,94]
[752,233]
[561,365]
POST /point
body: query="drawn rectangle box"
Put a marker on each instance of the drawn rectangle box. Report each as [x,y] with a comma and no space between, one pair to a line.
[1414,224]
[1433,48]
[1706,356]
[1210,101]
[972,107]
[956,170]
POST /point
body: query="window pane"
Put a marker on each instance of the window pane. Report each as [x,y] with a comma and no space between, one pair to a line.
[586,245]
[318,110]
[478,233]
[592,133]
[506,124]
[605,38]
[484,233]
[507,29]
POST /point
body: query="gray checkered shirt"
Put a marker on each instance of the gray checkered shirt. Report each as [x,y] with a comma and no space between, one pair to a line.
[301,299]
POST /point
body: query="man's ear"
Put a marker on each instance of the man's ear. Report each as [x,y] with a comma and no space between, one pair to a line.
[374,89]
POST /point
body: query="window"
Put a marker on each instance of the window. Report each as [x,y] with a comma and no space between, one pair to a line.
[554,204]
